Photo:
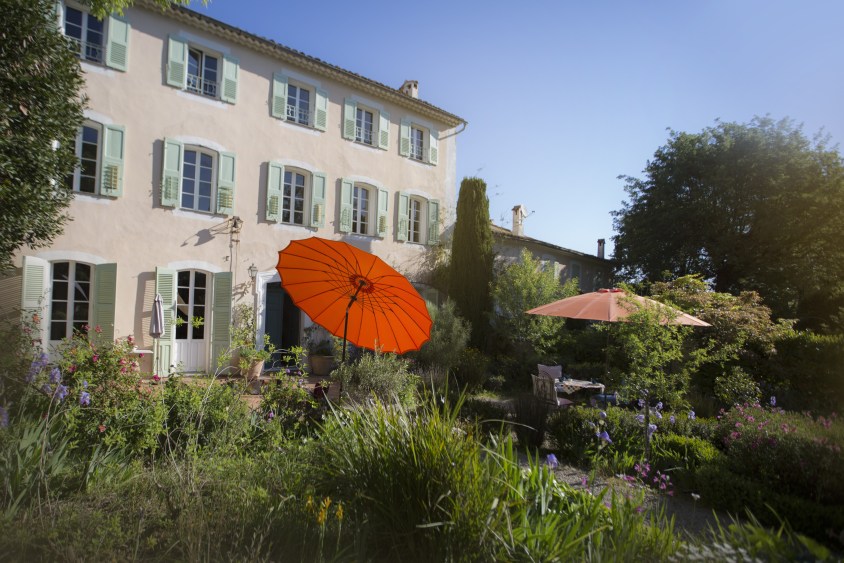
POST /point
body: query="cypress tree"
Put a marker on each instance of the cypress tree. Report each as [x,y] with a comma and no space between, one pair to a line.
[470,276]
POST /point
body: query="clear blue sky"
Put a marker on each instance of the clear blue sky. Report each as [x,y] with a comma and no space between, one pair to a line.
[563,96]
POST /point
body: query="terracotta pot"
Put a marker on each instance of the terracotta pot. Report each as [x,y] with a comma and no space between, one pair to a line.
[254,370]
[321,365]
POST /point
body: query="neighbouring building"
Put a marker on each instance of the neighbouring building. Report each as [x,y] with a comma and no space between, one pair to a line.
[206,150]
[592,272]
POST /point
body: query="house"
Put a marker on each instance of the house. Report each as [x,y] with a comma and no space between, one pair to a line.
[592,272]
[206,150]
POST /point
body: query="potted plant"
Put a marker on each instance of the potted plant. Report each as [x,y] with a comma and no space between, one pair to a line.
[246,355]
[320,351]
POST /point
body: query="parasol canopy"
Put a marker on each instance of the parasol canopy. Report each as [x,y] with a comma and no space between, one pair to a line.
[156,325]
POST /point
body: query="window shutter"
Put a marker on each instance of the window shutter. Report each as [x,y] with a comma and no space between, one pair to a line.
[321,115]
[383,210]
[346,206]
[105,289]
[59,13]
[177,63]
[221,319]
[433,149]
[165,285]
[318,200]
[275,185]
[402,223]
[225,184]
[404,135]
[349,110]
[118,44]
[35,285]
[228,92]
[279,105]
[111,182]
[171,173]
[433,221]
[384,130]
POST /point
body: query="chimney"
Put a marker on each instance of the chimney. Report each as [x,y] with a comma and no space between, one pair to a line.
[519,214]
[410,88]
[601,244]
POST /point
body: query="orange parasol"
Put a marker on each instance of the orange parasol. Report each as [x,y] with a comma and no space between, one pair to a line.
[611,305]
[354,295]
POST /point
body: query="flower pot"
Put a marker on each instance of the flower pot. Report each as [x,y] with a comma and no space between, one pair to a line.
[321,365]
[254,370]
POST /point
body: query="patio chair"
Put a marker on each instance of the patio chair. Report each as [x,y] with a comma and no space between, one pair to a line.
[543,388]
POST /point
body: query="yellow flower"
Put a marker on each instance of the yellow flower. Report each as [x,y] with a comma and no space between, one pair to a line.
[321,517]
[309,504]
[339,512]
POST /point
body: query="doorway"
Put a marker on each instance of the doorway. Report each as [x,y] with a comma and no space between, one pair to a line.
[191,305]
[282,318]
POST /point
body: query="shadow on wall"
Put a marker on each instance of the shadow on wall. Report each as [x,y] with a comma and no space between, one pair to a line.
[143,302]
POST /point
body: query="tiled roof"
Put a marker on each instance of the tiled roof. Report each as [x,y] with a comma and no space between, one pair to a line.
[508,234]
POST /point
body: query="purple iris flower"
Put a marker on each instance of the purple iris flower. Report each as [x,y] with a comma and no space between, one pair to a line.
[640,418]
[773,401]
[84,384]
[46,389]
[671,419]
[55,375]
[692,415]
[61,392]
[641,403]
[604,435]
[658,414]
[84,398]
[551,461]
[603,415]
[4,417]
[651,429]
[270,415]
[659,406]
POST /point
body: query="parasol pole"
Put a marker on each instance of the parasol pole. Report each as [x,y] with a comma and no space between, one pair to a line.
[352,299]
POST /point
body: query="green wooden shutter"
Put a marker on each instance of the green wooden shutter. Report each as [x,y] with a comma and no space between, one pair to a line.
[404,136]
[59,15]
[383,211]
[433,148]
[221,316]
[321,113]
[225,184]
[349,117]
[228,92]
[105,290]
[318,200]
[433,221]
[402,223]
[346,206]
[275,185]
[279,105]
[177,63]
[118,44]
[165,285]
[384,130]
[171,173]
[111,182]
[35,284]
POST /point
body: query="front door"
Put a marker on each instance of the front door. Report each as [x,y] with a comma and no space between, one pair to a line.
[192,320]
[282,318]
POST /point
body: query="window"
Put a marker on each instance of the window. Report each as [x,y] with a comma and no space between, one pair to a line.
[202,73]
[99,150]
[197,178]
[360,210]
[298,102]
[366,125]
[363,208]
[298,105]
[70,302]
[293,199]
[86,33]
[418,142]
[418,219]
[196,69]
[190,305]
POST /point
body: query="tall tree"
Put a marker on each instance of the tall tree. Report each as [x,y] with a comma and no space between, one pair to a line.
[40,112]
[470,275]
[751,207]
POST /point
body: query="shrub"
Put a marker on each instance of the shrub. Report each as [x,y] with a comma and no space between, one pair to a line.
[736,388]
[384,376]
[287,405]
[449,336]
[472,369]
[682,456]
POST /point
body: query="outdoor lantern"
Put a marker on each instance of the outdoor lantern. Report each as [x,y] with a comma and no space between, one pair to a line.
[253,272]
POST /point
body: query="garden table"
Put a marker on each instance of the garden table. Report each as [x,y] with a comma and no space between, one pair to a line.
[569,386]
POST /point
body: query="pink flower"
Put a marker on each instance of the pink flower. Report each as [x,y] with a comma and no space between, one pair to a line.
[738,424]
[97,329]
[96,358]
[156,378]
[71,369]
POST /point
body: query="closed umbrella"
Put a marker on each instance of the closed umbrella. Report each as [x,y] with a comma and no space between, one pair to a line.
[156,326]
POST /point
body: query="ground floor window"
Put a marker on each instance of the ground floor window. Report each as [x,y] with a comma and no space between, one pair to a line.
[70,299]
[191,304]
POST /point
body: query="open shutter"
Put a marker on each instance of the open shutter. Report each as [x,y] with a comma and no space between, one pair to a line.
[404,136]
[105,289]
[59,13]
[230,71]
[279,105]
[118,44]
[401,224]
[225,184]
[171,173]
[111,183]
[346,206]
[349,116]
[221,319]
[433,149]
[318,200]
[275,184]
[35,284]
[433,221]
[177,63]
[384,130]
[321,115]
[165,285]
[383,210]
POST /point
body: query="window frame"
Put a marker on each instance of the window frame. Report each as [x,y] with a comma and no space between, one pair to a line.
[423,132]
[421,220]
[76,176]
[201,89]
[358,209]
[187,326]
[309,120]
[215,155]
[70,300]
[83,42]
[363,111]
[306,197]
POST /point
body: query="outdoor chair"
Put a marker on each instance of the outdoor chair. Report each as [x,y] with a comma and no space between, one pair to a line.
[543,389]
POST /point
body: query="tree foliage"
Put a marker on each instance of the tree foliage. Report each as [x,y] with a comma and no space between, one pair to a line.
[102,8]
[40,81]
[752,207]
[470,275]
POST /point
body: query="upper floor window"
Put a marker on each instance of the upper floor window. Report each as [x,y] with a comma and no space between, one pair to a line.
[366,125]
[363,208]
[99,150]
[197,178]
[298,102]
[96,41]
[70,301]
[201,71]
[418,219]
[295,196]
[418,142]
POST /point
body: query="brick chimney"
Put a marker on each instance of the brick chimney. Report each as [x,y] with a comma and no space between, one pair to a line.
[601,244]
[410,88]
[519,214]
